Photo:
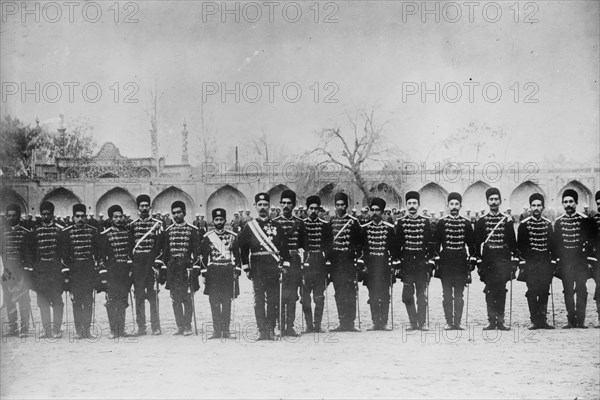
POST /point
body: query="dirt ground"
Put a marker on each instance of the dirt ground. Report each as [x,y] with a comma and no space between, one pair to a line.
[393,364]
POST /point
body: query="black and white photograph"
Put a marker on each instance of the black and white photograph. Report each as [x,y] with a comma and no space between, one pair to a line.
[310,199]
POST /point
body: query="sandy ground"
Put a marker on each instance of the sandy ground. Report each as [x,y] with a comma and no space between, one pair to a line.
[395,364]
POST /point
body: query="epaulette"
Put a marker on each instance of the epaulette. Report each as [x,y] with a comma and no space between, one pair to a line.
[25,229]
[67,228]
[170,226]
[136,220]
[93,227]
[298,218]
[211,232]
[59,225]
[582,214]
[367,224]
[106,230]
[527,219]
[545,219]
[560,216]
[276,218]
[465,218]
[231,232]
[353,217]
[193,226]
[156,220]
[388,224]
[446,216]
[506,215]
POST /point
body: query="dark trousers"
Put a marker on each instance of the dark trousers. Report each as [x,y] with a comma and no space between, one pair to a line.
[83,277]
[415,276]
[378,283]
[454,273]
[574,277]
[315,282]
[119,283]
[495,272]
[220,306]
[343,274]
[596,274]
[16,296]
[144,289]
[49,287]
[181,296]
[265,281]
[538,278]
[292,281]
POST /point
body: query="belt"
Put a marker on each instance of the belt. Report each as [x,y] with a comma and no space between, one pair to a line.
[262,253]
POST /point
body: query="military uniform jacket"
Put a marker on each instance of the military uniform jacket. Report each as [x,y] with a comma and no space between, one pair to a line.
[596,219]
[346,233]
[573,237]
[182,241]
[16,249]
[115,246]
[535,240]
[378,241]
[250,244]
[502,239]
[415,237]
[146,245]
[295,233]
[453,237]
[220,257]
[319,237]
[79,244]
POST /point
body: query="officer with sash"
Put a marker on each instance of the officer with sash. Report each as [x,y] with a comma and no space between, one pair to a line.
[220,270]
[264,252]
[147,251]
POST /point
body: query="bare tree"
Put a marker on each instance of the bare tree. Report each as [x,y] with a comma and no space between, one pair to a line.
[261,145]
[208,142]
[364,145]
[476,142]
[152,112]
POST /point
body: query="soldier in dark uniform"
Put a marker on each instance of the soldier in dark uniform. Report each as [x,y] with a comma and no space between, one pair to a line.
[264,250]
[220,270]
[16,250]
[292,279]
[596,267]
[182,259]
[573,236]
[496,254]
[453,238]
[534,241]
[79,252]
[49,277]
[378,244]
[146,233]
[116,269]
[344,253]
[319,238]
[415,239]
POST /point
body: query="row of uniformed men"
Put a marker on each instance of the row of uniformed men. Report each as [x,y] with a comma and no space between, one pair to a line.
[287,254]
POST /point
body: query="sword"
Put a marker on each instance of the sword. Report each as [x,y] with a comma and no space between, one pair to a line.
[392,298]
[193,302]
[356,288]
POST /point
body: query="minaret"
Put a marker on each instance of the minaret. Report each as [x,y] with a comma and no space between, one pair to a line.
[61,128]
[184,143]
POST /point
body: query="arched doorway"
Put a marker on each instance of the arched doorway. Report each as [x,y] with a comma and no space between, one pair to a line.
[433,198]
[275,194]
[9,196]
[519,198]
[63,200]
[229,198]
[585,195]
[118,196]
[474,197]
[162,202]
[386,192]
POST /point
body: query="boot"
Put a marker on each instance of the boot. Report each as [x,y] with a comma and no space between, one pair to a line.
[500,323]
[581,305]
[309,320]
[598,311]
[412,316]
[289,331]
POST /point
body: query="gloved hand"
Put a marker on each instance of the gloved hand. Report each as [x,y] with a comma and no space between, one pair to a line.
[162,276]
[472,263]
[6,275]
[237,271]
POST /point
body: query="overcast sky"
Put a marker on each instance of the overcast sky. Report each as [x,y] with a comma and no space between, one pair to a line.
[372,55]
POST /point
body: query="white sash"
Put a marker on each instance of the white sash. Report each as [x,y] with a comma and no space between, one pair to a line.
[341,230]
[219,245]
[263,239]
[145,236]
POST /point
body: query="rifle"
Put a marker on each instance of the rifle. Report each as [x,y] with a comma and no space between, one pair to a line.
[191,292]
[392,297]
[280,302]
[156,296]
[132,311]
[356,288]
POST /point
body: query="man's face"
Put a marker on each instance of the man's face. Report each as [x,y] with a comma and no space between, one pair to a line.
[454,207]
[47,216]
[144,209]
[598,204]
[219,223]
[376,213]
[537,208]
[262,208]
[413,206]
[287,206]
[494,202]
[248,213]
[13,218]
[313,211]
[78,218]
[340,207]
[569,204]
[178,215]
[118,219]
